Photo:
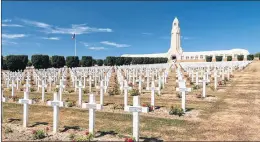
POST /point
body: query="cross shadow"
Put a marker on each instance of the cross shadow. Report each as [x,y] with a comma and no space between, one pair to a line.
[189,109]
[158,107]
[39,123]
[66,128]
[211,96]
[13,119]
[103,133]
[151,139]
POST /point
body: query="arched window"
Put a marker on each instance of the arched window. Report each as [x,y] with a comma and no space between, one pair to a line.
[187,57]
[196,57]
[201,56]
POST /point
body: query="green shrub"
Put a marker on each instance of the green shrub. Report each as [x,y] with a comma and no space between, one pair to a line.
[87,137]
[128,60]
[134,92]
[86,61]
[16,62]
[240,57]
[250,57]
[208,58]
[38,134]
[72,61]
[219,58]
[176,111]
[229,58]
[40,61]
[57,61]
[99,62]
[8,130]
[110,60]
[72,136]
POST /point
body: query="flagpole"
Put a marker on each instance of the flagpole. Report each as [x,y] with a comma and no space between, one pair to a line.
[75,45]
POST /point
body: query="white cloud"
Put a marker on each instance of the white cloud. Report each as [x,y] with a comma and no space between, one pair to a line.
[36,23]
[96,48]
[11,25]
[7,20]
[13,36]
[114,44]
[5,42]
[186,38]
[51,38]
[84,43]
[75,28]
[147,33]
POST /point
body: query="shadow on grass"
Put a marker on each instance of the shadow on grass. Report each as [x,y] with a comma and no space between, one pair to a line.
[13,119]
[66,128]
[39,123]
[211,96]
[103,133]
[189,109]
[151,139]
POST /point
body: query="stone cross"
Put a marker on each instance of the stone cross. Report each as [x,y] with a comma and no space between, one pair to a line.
[140,83]
[136,109]
[182,88]
[153,88]
[126,88]
[25,101]
[197,78]
[92,106]
[80,86]
[216,79]
[204,81]
[90,82]
[27,86]
[102,87]
[50,82]
[43,85]
[61,87]
[13,85]
[55,104]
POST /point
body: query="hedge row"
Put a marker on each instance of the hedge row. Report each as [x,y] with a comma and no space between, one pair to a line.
[229,58]
[111,60]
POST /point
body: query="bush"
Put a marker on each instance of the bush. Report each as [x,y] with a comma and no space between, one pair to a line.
[86,61]
[134,92]
[38,134]
[219,58]
[229,58]
[57,61]
[208,58]
[240,57]
[72,61]
[16,62]
[99,62]
[176,111]
[110,60]
[40,61]
[250,57]
[88,137]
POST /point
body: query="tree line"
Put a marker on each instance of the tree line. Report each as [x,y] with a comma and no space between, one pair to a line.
[20,62]
[250,57]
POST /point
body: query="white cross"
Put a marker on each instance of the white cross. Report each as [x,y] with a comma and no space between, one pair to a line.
[25,101]
[92,106]
[50,82]
[140,83]
[216,79]
[126,88]
[55,104]
[61,87]
[182,88]
[27,86]
[80,86]
[13,85]
[43,85]
[136,108]
[153,88]
[90,82]
[102,87]
[204,81]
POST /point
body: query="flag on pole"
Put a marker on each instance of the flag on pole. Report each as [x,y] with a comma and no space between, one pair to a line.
[74,36]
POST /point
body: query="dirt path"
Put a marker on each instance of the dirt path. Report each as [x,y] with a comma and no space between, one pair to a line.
[236,115]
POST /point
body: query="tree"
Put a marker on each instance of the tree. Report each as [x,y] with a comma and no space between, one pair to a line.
[72,61]
[29,63]
[208,58]
[120,61]
[250,57]
[3,62]
[229,58]
[99,62]
[40,61]
[86,61]
[219,58]
[127,60]
[110,60]
[240,57]
[16,62]
[57,61]
[94,62]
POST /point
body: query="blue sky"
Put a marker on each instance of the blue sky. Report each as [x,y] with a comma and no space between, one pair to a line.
[116,28]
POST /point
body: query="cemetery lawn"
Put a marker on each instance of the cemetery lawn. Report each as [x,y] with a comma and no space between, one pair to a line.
[233,114]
